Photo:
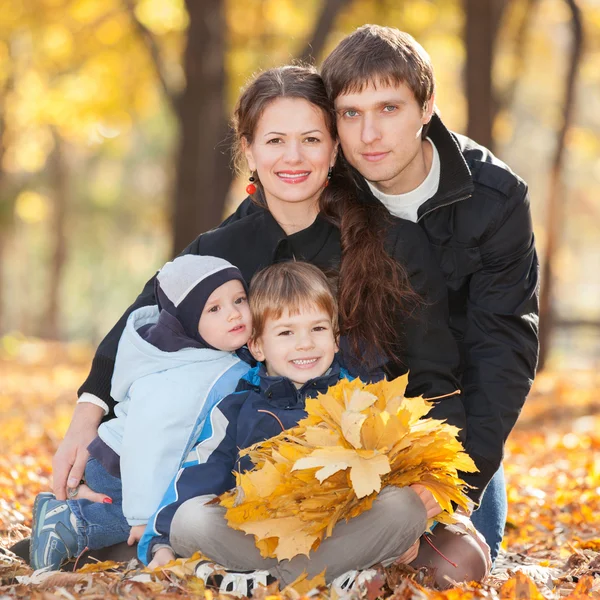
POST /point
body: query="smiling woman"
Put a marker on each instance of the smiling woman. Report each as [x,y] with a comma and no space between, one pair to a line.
[292,152]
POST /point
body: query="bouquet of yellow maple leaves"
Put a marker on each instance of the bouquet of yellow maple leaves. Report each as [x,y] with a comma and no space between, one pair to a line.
[356,439]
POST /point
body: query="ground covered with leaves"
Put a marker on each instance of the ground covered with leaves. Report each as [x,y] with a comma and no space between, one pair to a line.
[552,542]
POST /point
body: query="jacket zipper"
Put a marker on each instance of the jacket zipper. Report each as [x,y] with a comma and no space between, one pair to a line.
[443,205]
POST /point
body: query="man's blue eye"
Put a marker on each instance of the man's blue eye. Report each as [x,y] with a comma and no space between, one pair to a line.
[350,113]
[391,108]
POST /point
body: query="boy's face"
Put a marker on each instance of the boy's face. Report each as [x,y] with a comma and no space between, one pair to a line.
[298,346]
[225,322]
[380,133]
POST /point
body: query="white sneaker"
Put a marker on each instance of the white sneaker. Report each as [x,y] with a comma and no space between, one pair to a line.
[236,583]
[351,580]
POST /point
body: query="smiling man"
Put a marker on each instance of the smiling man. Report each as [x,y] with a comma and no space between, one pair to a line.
[475,212]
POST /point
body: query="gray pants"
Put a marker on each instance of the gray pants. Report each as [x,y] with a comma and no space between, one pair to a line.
[379,535]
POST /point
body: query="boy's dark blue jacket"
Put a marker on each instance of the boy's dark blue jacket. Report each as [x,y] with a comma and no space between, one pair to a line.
[254,413]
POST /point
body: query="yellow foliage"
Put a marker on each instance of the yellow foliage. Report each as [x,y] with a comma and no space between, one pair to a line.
[356,439]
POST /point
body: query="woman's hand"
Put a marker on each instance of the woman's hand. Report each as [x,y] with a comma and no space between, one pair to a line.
[84,492]
[135,535]
[161,558]
[68,464]
[409,555]
[430,503]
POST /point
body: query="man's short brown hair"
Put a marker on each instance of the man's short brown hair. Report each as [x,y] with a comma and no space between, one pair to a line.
[378,55]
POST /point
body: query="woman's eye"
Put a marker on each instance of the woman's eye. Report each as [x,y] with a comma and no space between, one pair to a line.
[274,141]
[312,140]
[287,332]
[320,328]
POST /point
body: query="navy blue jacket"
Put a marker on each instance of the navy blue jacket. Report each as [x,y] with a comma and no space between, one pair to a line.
[254,413]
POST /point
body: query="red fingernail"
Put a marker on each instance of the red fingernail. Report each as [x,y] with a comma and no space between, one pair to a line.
[107,500]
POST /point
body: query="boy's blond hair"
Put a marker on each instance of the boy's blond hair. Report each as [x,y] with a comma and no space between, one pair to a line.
[292,286]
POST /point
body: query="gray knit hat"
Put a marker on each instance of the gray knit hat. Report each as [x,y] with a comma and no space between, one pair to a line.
[184,285]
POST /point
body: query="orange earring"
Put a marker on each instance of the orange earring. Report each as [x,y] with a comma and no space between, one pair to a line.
[251,188]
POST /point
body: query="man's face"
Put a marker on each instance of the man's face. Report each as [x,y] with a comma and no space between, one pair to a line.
[380,133]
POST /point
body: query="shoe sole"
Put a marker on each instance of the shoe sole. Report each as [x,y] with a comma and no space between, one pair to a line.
[44,497]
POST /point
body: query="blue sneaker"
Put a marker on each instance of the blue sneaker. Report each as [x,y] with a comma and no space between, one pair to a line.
[53,533]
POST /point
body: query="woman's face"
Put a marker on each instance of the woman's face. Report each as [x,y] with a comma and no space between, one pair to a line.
[292,152]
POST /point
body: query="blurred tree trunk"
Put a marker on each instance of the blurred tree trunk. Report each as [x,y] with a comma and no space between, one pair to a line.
[203,174]
[315,45]
[59,181]
[481,28]
[507,96]
[556,199]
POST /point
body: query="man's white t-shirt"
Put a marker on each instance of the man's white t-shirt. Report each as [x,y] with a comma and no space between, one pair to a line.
[407,205]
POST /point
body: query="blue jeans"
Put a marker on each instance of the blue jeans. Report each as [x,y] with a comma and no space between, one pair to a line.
[100,525]
[490,518]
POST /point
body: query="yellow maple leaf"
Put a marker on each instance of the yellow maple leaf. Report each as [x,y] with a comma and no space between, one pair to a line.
[365,468]
[293,540]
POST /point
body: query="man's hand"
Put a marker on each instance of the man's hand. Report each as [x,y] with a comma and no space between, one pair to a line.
[161,558]
[135,535]
[69,461]
[409,555]
[430,503]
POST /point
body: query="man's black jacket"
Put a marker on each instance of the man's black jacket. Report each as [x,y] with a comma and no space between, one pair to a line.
[479,228]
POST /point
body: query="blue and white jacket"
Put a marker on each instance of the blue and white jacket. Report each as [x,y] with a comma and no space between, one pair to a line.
[252,414]
[163,399]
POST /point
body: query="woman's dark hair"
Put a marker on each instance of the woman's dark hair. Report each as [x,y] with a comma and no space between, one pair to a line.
[373,287]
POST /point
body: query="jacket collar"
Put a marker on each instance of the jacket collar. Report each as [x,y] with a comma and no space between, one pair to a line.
[456,181]
[302,245]
[281,392]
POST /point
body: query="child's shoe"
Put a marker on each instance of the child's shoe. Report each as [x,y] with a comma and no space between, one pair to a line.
[53,533]
[351,580]
[236,583]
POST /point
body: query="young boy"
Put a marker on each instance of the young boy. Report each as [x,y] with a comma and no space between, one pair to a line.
[295,334]
[174,362]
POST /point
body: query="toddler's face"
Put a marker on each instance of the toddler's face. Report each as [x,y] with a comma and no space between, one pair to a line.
[299,346]
[225,322]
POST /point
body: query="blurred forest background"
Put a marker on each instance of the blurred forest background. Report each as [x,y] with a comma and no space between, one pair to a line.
[114,148]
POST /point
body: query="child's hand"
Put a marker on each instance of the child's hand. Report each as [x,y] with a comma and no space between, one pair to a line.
[161,558]
[135,535]
[409,555]
[430,503]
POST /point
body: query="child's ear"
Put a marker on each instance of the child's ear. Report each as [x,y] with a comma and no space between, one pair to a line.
[255,348]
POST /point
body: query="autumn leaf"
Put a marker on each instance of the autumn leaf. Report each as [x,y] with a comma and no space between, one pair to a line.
[303,584]
[520,587]
[365,470]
